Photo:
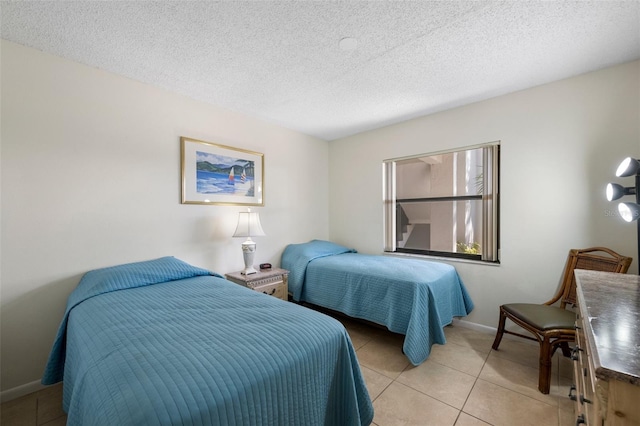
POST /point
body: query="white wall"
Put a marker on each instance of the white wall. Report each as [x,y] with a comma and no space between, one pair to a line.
[561,144]
[91,178]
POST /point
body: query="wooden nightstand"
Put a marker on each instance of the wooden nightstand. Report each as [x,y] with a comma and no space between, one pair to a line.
[270,281]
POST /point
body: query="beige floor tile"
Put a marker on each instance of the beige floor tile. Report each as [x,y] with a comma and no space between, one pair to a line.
[50,404]
[439,381]
[360,334]
[561,392]
[466,420]
[20,412]
[502,407]
[565,365]
[376,382]
[462,358]
[401,405]
[520,351]
[60,421]
[384,355]
[516,377]
[462,336]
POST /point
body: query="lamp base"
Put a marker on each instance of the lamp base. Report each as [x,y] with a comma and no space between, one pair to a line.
[248,252]
[248,270]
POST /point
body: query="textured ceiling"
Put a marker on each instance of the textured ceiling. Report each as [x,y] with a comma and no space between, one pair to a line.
[281,61]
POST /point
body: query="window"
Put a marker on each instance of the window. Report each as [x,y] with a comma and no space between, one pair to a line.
[444,204]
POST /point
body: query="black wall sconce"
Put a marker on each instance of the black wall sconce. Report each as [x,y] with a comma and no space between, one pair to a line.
[629,212]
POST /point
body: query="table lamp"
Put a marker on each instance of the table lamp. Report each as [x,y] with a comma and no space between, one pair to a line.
[248,226]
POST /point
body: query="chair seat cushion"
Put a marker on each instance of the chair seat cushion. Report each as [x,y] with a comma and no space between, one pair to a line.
[543,317]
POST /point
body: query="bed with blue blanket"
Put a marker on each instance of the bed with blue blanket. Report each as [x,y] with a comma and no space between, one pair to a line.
[165,343]
[412,297]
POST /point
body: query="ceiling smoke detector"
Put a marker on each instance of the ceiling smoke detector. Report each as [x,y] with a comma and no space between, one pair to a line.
[348,43]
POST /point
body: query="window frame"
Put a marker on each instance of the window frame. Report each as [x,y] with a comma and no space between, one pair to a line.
[490,199]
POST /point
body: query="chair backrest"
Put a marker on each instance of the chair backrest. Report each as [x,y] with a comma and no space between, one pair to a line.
[587,259]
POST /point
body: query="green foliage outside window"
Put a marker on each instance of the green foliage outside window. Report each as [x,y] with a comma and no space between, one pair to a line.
[468,248]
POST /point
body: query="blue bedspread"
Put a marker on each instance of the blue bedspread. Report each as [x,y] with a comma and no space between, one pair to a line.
[413,297]
[162,342]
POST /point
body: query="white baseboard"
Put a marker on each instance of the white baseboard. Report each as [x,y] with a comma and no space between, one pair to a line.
[473,326]
[491,330]
[21,390]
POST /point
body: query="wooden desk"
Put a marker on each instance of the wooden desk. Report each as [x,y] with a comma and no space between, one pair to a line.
[607,354]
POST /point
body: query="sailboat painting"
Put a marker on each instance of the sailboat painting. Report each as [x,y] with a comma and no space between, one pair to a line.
[219,174]
[216,174]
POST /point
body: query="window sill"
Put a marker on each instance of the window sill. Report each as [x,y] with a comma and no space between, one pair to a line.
[442,258]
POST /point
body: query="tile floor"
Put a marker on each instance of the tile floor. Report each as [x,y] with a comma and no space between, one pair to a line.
[39,408]
[462,383]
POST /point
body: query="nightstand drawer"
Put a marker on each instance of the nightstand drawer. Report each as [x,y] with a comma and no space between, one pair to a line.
[278,289]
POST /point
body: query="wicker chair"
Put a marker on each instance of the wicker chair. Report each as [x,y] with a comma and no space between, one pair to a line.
[552,326]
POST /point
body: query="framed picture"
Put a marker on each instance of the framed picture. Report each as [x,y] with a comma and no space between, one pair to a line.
[219,174]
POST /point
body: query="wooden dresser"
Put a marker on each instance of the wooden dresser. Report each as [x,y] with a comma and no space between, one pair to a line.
[607,353]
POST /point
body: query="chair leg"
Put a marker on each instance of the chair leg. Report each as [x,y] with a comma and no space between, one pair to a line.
[566,351]
[500,331]
[544,375]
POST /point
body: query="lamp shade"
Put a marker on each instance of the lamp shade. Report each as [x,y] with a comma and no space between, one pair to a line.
[629,211]
[249,225]
[615,191]
[628,167]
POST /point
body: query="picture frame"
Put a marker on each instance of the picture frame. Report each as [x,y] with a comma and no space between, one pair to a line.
[220,175]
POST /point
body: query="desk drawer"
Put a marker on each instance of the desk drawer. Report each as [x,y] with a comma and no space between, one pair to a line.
[583,373]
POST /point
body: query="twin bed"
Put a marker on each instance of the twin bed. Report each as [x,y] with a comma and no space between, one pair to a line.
[412,297]
[163,342]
